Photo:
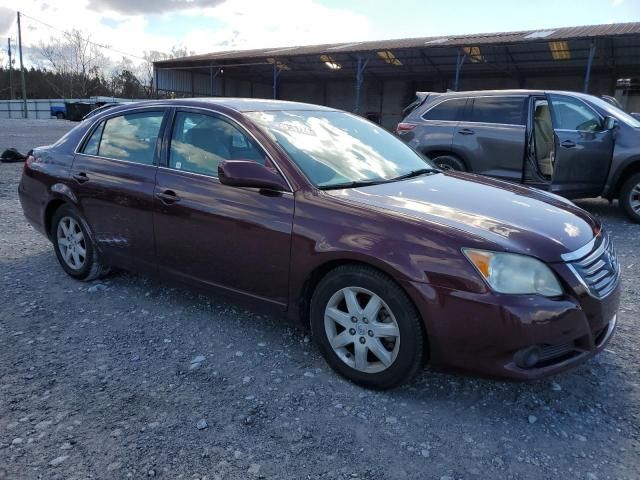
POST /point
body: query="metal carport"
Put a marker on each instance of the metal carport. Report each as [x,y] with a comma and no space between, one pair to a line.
[378,78]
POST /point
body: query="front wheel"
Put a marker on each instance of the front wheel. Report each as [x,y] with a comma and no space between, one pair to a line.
[449,162]
[630,197]
[366,327]
[74,246]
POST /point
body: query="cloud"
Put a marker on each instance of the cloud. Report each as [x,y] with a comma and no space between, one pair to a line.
[135,7]
[616,2]
[227,25]
[249,24]
[7,17]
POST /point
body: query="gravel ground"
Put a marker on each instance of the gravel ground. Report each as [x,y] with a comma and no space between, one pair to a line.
[134,378]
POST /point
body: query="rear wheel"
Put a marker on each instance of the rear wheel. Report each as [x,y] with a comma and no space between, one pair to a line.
[74,246]
[449,162]
[366,327]
[60,116]
[630,197]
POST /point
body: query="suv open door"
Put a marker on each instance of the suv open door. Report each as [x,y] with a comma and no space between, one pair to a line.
[582,150]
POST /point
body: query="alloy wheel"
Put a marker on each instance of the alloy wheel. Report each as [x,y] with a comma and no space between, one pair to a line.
[71,243]
[362,329]
[634,198]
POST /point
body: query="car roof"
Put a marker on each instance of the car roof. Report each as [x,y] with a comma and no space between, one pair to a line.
[238,104]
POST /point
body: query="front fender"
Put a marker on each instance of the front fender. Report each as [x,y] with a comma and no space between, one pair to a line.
[328,232]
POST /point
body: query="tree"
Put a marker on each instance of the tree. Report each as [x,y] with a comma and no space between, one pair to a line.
[126,85]
[74,57]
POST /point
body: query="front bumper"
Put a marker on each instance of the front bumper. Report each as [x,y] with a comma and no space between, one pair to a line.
[482,332]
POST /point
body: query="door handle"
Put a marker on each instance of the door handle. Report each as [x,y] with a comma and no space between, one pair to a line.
[568,144]
[466,131]
[81,177]
[168,196]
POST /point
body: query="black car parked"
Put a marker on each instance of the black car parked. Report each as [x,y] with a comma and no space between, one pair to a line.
[572,144]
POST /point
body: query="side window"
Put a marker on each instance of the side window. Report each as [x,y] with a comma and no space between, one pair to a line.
[131,137]
[448,110]
[199,142]
[507,110]
[572,114]
[92,144]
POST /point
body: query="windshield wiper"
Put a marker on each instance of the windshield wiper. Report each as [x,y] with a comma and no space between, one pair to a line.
[353,184]
[366,183]
[415,173]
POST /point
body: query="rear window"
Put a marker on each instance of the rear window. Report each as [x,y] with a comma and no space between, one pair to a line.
[449,110]
[506,110]
[131,137]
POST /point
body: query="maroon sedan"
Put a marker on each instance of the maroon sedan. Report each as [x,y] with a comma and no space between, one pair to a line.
[328,217]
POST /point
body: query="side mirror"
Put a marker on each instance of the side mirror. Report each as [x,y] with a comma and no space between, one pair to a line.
[246,173]
[610,123]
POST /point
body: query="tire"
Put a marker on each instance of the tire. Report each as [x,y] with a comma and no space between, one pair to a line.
[60,116]
[630,197]
[397,327]
[449,162]
[69,229]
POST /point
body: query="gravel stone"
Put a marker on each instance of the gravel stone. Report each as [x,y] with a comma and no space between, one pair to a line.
[58,460]
[202,424]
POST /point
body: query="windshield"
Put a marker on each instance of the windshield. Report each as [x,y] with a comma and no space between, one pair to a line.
[337,148]
[615,112]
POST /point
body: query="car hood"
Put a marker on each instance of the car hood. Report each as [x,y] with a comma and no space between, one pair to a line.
[519,219]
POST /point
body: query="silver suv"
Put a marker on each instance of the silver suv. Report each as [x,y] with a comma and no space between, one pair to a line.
[572,144]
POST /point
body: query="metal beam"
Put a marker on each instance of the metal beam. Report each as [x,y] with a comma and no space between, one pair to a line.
[459,62]
[362,64]
[587,74]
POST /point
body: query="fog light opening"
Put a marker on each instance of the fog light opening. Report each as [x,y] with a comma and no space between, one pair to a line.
[527,357]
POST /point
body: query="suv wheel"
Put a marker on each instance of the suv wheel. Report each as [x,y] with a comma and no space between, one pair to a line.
[630,197]
[449,162]
[366,327]
[74,246]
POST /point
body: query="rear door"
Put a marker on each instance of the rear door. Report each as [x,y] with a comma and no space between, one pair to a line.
[113,175]
[582,148]
[491,136]
[207,232]
[435,127]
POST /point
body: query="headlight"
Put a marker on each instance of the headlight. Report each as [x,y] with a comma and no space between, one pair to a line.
[513,273]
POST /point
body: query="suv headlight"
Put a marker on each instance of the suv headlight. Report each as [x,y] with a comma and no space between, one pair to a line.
[513,273]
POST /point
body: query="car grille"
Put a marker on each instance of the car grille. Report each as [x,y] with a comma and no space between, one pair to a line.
[598,270]
[550,352]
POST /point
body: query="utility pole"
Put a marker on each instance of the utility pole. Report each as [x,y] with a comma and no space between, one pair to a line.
[10,69]
[24,85]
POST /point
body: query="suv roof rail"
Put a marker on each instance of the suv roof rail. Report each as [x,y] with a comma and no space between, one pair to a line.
[421,97]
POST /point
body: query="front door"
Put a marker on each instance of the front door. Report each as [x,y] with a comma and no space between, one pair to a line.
[582,148]
[113,176]
[230,237]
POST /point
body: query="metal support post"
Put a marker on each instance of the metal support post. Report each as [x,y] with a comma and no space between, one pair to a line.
[276,74]
[459,62]
[212,79]
[10,69]
[24,85]
[362,64]
[587,74]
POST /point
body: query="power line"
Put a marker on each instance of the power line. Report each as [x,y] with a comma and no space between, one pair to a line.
[84,39]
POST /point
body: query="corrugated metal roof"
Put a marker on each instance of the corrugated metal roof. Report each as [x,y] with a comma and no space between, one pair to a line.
[480,39]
